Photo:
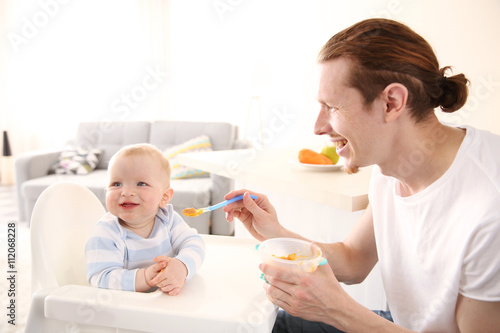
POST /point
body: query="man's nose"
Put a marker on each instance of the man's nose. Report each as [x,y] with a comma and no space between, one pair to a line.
[322,125]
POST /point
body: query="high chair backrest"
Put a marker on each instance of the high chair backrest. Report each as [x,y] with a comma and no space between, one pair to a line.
[62,220]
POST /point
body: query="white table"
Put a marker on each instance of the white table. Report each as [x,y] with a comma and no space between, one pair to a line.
[225,296]
[272,168]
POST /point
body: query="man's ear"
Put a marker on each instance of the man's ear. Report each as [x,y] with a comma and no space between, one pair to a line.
[395,96]
[167,196]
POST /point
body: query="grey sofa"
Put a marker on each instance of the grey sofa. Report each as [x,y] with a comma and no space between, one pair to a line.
[32,168]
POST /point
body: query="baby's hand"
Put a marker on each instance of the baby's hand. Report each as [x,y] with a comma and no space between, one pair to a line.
[153,270]
[172,278]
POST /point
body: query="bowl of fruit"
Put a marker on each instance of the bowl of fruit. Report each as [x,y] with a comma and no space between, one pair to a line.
[325,160]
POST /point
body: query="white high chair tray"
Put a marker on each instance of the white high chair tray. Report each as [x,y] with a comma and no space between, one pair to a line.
[225,296]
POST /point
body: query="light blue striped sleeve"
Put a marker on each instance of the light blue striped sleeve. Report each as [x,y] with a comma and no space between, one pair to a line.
[105,255]
[187,245]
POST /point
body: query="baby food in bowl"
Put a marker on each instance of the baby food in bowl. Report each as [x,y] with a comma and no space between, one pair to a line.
[291,253]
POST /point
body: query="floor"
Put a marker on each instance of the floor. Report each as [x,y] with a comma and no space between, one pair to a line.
[20,293]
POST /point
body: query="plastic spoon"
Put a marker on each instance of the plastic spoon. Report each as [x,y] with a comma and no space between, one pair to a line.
[199,211]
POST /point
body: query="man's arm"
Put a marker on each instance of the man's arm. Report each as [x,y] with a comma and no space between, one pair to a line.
[354,258]
[477,316]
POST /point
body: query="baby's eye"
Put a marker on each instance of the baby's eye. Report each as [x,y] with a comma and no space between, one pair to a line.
[115,184]
[141,184]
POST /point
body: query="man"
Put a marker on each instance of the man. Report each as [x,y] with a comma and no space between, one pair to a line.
[433,222]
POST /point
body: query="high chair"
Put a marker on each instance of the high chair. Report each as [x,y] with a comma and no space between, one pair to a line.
[226,295]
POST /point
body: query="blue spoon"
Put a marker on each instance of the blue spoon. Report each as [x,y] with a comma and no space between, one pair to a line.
[199,211]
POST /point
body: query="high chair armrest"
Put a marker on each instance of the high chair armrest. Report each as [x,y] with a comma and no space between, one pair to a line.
[225,296]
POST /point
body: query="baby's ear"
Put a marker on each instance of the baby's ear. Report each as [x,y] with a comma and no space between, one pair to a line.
[167,196]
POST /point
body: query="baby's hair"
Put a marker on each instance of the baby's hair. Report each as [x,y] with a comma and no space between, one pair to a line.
[144,149]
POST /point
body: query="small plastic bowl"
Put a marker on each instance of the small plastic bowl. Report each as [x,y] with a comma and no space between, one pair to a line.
[303,255]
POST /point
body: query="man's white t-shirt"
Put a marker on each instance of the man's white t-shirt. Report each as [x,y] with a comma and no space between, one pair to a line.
[442,241]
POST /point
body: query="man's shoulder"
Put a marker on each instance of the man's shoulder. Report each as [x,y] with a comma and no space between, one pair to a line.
[483,154]
[482,139]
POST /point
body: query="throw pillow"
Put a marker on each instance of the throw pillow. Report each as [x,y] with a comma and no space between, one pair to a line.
[77,161]
[201,143]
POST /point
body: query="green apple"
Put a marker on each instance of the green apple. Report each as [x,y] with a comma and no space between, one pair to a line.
[331,153]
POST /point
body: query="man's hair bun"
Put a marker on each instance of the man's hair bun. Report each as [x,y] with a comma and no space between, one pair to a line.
[454,91]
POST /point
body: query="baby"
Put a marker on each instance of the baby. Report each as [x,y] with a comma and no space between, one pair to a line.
[141,242]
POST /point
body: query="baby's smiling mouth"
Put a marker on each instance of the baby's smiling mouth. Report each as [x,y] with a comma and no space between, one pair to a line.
[128,204]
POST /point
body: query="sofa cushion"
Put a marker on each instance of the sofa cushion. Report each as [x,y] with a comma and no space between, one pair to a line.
[31,189]
[111,136]
[95,181]
[193,192]
[179,171]
[77,161]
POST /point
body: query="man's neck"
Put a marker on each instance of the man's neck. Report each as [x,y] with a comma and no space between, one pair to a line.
[424,155]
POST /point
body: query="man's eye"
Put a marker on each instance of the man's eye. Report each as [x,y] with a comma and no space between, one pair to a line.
[141,184]
[328,108]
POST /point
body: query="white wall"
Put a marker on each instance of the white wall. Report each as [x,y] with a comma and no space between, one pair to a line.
[463,35]
[65,62]
[216,46]
[89,53]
